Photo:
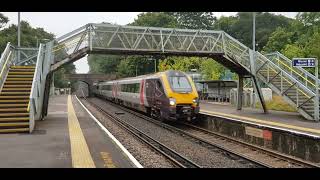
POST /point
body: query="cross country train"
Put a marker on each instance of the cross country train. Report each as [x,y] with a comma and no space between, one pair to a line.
[169,95]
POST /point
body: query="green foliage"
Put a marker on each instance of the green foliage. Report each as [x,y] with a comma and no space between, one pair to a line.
[29,38]
[278,40]
[292,50]
[59,80]
[194,20]
[240,27]
[210,69]
[155,19]
[312,47]
[29,35]
[3,20]
[104,64]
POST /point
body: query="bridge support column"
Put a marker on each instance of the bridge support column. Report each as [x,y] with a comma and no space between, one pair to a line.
[240,92]
[256,85]
[257,89]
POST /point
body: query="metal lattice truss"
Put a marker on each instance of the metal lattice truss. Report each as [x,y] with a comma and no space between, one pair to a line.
[295,84]
[275,70]
[142,40]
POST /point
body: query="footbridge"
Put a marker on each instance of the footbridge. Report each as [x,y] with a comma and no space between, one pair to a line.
[296,85]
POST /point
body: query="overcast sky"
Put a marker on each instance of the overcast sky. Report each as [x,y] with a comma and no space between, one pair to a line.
[60,23]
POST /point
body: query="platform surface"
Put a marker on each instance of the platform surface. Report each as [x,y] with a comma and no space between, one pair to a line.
[284,120]
[68,137]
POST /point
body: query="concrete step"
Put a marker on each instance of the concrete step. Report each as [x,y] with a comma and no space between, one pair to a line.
[14,119]
[4,101]
[13,105]
[22,67]
[15,92]
[21,73]
[17,86]
[14,114]
[19,79]
[20,76]
[17,82]
[14,130]
[16,89]
[21,70]
[13,109]
[14,97]
[15,124]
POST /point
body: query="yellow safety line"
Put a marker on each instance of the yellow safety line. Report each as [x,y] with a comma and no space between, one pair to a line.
[81,157]
[296,72]
[290,82]
[264,122]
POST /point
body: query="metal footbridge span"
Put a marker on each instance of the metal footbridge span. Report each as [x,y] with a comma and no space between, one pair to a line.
[295,84]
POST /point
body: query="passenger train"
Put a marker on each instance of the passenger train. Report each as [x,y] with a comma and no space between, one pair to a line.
[169,95]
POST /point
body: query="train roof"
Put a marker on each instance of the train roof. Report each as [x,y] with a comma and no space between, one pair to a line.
[143,76]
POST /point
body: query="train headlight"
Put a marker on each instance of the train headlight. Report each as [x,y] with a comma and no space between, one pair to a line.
[195,101]
[172,101]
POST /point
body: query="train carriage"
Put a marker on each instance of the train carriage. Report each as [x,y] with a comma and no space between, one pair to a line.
[169,95]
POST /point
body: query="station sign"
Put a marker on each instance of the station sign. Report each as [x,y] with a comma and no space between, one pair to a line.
[303,62]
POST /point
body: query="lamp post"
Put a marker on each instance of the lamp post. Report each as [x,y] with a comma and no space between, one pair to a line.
[254,50]
[19,29]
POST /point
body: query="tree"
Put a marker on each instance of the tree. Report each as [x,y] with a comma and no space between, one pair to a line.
[103,63]
[293,50]
[278,40]
[155,19]
[240,27]
[194,20]
[29,35]
[3,20]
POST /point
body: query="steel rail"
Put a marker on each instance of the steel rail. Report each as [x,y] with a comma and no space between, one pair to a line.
[280,156]
[178,159]
[191,137]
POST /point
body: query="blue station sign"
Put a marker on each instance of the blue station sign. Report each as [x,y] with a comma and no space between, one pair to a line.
[304,62]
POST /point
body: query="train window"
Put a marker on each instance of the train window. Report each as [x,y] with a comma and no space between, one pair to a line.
[180,84]
[133,88]
[159,85]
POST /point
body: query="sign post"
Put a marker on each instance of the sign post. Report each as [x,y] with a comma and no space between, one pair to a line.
[310,62]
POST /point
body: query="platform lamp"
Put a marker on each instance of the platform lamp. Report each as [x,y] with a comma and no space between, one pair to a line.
[69,86]
[39,40]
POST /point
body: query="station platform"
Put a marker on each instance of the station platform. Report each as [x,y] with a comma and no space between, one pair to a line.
[290,121]
[67,138]
[285,132]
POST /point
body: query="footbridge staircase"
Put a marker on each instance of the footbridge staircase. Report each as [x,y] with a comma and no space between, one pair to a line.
[296,85]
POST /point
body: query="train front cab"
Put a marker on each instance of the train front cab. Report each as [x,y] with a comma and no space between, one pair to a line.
[175,96]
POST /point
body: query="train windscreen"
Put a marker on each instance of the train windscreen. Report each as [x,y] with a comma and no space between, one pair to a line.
[180,84]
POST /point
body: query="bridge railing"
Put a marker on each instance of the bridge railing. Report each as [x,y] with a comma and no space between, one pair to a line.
[154,40]
[302,75]
[44,60]
[7,58]
[70,43]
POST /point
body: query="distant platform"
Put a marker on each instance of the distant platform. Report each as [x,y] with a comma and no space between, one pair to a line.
[289,121]
[67,138]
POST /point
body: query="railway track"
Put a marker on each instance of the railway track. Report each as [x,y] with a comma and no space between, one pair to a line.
[255,154]
[177,159]
[276,159]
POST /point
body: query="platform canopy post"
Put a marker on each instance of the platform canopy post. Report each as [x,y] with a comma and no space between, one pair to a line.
[240,92]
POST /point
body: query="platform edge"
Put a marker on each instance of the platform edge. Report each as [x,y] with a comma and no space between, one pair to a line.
[124,150]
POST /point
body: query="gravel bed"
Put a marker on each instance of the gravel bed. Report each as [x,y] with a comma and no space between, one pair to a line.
[199,154]
[147,157]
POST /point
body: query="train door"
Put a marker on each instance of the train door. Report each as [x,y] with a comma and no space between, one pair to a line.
[150,88]
[155,96]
